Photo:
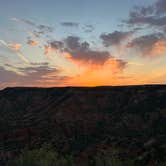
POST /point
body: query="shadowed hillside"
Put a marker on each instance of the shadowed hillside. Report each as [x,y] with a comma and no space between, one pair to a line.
[84,122]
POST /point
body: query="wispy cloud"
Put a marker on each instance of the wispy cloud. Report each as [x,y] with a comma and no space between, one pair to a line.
[15,47]
[31,75]
[40,27]
[70,24]
[88,28]
[25,21]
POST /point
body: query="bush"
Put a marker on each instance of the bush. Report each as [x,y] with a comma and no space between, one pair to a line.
[44,156]
[110,158]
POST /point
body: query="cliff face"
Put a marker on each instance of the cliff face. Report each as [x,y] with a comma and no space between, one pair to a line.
[83,120]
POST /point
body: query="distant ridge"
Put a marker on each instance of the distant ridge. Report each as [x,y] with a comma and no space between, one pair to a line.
[33,87]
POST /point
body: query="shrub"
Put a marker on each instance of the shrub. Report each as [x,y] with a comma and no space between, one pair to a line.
[45,156]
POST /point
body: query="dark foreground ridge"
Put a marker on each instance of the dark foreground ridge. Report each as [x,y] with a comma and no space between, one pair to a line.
[85,121]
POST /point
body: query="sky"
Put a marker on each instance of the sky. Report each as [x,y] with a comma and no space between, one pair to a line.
[82,43]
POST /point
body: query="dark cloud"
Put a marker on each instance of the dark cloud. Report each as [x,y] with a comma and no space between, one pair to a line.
[147,20]
[160,6]
[147,44]
[95,57]
[81,51]
[73,43]
[115,38]
[164,29]
[138,11]
[153,15]
[78,50]
[120,64]
[70,24]
[54,44]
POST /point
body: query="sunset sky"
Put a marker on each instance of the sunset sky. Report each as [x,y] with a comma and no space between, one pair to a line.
[82,42]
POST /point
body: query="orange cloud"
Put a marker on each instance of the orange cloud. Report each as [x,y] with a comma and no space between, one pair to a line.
[109,73]
[115,65]
[15,46]
[159,48]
